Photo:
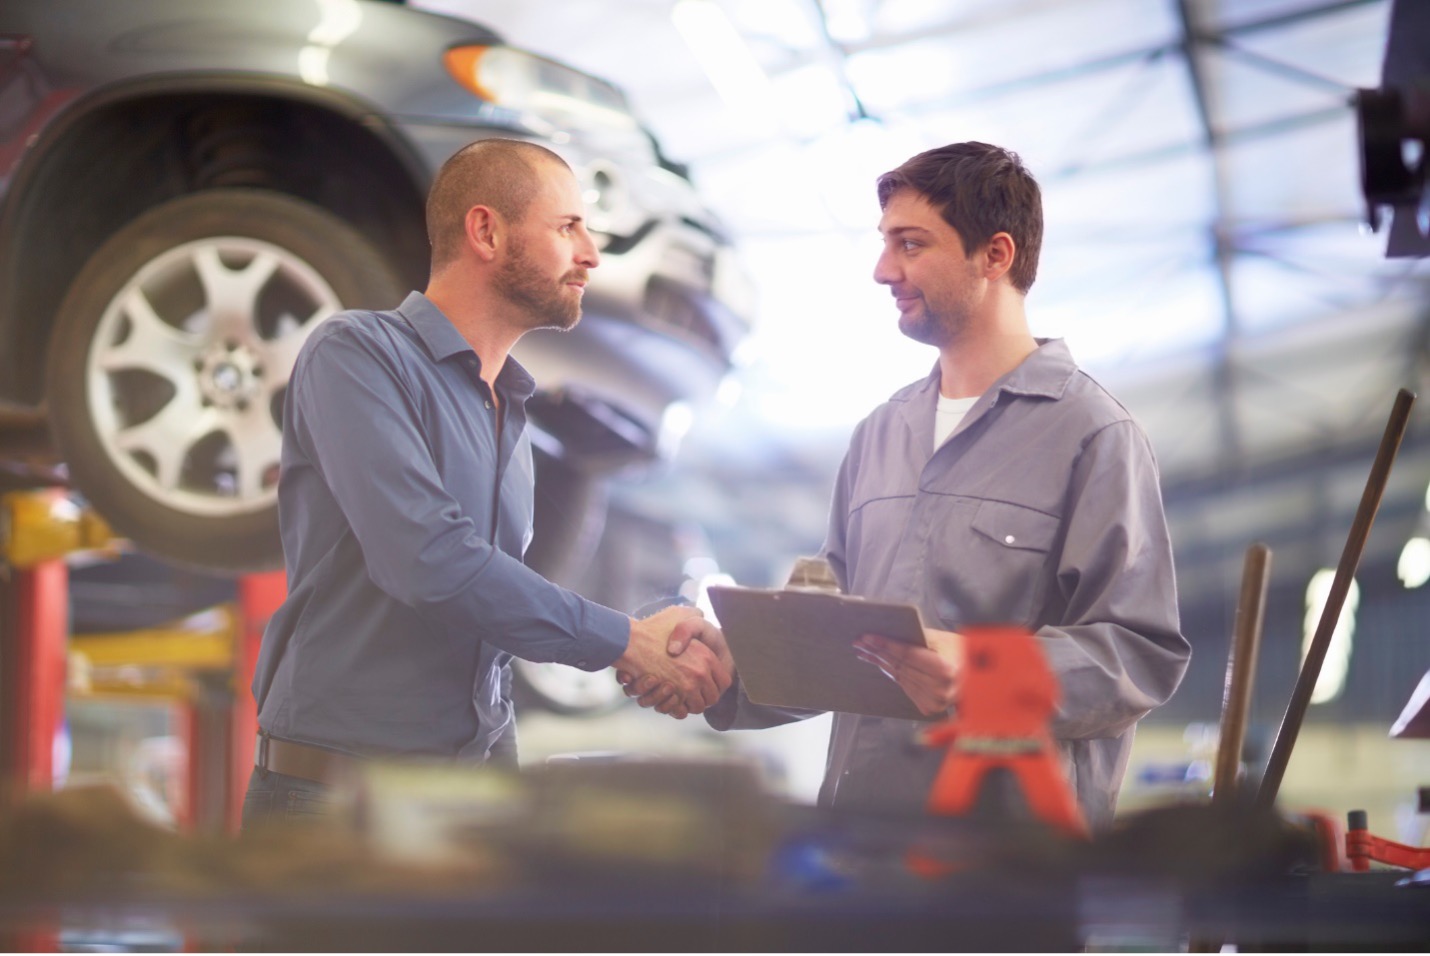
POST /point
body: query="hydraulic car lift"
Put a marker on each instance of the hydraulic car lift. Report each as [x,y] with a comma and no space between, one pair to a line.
[204,672]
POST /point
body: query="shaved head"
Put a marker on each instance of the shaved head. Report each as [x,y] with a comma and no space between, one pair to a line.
[503,174]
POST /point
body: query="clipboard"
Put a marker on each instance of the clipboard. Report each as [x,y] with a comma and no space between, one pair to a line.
[794,648]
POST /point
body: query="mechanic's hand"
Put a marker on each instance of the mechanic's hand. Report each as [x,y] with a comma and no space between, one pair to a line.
[696,677]
[651,691]
[929,675]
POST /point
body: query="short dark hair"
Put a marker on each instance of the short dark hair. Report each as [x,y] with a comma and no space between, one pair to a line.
[980,190]
[500,173]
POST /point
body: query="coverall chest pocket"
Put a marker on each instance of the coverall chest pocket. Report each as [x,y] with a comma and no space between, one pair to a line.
[1001,570]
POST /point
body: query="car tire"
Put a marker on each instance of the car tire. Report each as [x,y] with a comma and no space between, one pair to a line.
[170,356]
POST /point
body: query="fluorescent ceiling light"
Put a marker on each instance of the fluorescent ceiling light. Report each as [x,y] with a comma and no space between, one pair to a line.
[726,59]
[846,20]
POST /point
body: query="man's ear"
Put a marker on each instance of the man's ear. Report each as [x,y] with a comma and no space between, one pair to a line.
[999,253]
[484,231]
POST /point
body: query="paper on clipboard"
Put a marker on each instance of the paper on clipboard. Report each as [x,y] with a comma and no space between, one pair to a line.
[796,648]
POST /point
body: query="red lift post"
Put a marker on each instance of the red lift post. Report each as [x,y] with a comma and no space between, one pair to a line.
[39,529]
[215,716]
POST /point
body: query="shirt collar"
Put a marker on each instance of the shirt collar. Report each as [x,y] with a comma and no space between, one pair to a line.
[443,341]
[1045,372]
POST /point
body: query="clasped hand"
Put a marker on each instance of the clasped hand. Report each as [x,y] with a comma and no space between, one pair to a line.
[680,658]
[930,676]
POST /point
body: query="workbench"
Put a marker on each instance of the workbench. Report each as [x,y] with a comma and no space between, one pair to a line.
[833,882]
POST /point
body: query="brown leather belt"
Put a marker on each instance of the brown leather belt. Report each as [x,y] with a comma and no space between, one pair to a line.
[301,760]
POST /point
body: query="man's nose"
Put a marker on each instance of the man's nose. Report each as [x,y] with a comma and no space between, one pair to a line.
[586,254]
[884,271]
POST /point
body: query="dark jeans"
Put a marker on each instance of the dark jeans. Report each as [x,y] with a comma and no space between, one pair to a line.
[279,798]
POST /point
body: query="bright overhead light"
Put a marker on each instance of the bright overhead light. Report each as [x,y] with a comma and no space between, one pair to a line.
[846,20]
[726,59]
[1332,679]
[1413,569]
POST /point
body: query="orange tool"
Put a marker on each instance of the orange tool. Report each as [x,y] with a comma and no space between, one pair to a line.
[1007,699]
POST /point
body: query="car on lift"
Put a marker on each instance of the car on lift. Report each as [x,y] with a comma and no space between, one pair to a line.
[188,187]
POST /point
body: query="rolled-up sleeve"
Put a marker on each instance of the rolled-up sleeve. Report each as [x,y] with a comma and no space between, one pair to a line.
[358,421]
[1121,652]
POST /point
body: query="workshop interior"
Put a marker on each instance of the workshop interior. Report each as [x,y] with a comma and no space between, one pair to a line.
[1237,233]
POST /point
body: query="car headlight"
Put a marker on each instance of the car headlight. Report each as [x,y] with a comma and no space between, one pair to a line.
[526,83]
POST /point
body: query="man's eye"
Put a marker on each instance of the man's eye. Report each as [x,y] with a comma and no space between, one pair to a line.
[909,245]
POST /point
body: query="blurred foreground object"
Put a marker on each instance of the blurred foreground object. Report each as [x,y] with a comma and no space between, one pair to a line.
[1008,698]
[636,856]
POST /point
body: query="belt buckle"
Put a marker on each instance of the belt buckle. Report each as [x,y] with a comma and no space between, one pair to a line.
[260,751]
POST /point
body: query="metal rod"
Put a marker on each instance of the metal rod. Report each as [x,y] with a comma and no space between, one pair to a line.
[1330,614]
[1241,673]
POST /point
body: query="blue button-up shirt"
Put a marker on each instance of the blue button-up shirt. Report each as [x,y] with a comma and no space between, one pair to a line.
[405,507]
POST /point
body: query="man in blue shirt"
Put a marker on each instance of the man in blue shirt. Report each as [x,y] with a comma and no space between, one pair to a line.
[406,504]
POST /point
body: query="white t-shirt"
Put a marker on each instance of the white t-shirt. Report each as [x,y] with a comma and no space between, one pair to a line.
[950,413]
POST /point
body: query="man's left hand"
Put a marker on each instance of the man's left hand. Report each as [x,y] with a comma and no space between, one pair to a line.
[929,675]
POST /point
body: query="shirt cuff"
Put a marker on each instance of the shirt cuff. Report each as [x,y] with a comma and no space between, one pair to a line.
[721,715]
[603,638]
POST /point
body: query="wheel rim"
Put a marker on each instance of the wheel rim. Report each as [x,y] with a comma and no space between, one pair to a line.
[188,366]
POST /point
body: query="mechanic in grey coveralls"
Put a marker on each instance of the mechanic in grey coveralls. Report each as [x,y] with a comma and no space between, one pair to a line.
[1007,486]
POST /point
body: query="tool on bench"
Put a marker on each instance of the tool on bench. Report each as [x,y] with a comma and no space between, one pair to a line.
[1008,696]
[1001,729]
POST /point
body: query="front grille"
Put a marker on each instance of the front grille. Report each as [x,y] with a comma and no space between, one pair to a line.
[672,305]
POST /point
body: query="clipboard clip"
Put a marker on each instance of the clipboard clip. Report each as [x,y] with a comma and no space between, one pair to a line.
[812,574]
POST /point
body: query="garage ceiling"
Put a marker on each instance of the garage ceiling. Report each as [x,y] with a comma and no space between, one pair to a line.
[1205,252]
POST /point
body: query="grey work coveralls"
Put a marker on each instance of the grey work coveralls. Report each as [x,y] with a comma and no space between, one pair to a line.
[1041,509]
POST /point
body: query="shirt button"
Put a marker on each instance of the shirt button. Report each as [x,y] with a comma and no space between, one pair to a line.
[1008,539]
[488,403]
[581,664]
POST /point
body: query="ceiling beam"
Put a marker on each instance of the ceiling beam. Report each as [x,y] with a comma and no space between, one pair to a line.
[1294,17]
[1293,468]
[1221,246]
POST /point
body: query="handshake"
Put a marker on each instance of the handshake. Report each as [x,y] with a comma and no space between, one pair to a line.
[678,663]
[675,661]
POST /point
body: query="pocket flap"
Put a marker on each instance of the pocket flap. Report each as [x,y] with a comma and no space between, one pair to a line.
[1014,526]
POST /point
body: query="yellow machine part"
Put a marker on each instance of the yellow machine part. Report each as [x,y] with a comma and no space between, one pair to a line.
[153,662]
[39,526]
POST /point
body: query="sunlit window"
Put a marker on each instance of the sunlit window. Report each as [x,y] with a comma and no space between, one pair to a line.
[1332,679]
[1414,566]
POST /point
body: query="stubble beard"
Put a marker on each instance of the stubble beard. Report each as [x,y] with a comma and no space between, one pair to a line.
[932,328]
[546,305]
